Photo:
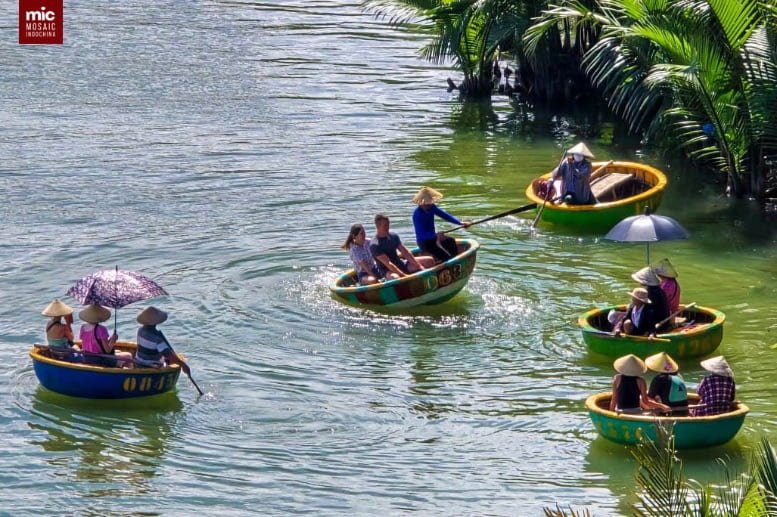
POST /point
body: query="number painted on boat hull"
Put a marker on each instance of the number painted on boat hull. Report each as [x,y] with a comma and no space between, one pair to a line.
[149,383]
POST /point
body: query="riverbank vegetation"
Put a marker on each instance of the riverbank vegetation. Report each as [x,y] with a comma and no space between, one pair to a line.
[697,76]
[663,490]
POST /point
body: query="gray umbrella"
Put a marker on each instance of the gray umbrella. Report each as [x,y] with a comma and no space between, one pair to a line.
[647,228]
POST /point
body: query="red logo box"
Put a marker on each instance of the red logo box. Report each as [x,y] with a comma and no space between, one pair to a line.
[41,22]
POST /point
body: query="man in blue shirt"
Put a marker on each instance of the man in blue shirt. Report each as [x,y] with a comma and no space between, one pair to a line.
[439,245]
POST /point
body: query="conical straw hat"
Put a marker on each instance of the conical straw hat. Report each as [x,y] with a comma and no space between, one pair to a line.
[630,365]
[152,316]
[94,314]
[427,196]
[661,362]
[57,308]
[718,366]
[666,269]
[646,276]
[581,148]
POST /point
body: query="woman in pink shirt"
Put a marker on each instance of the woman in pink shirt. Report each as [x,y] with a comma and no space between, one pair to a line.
[95,340]
[668,275]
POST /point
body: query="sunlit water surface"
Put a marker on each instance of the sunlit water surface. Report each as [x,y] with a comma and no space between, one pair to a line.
[224,148]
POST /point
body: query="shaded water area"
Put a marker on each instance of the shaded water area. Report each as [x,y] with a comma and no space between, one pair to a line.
[224,148]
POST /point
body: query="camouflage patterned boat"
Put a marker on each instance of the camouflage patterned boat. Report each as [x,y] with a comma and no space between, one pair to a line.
[427,287]
[700,334]
[690,432]
[622,189]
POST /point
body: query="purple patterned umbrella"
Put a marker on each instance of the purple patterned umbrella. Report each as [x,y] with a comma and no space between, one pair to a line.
[115,288]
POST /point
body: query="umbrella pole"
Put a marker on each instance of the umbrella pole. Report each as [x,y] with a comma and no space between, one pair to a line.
[648,253]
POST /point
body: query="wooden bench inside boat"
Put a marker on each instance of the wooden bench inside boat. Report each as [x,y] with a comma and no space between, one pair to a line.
[612,185]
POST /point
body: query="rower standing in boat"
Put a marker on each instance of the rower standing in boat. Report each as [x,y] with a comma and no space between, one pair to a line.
[574,175]
[439,245]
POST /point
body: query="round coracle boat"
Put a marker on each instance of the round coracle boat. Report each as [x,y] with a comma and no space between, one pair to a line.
[622,189]
[690,432]
[698,332]
[66,373]
[427,287]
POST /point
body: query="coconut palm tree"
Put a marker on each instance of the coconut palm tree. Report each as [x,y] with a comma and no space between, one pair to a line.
[468,31]
[703,71]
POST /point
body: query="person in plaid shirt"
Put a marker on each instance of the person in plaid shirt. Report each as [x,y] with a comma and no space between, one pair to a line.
[716,391]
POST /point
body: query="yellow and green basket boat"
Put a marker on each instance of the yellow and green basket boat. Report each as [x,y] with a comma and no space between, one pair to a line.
[622,189]
[699,335]
[428,287]
[690,432]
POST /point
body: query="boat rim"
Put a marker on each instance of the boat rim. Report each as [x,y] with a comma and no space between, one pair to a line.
[592,406]
[474,246]
[659,186]
[36,355]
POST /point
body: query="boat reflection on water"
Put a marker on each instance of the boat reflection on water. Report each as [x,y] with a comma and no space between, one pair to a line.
[115,446]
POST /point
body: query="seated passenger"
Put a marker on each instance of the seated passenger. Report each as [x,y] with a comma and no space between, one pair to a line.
[629,392]
[96,344]
[59,334]
[385,247]
[154,351]
[650,281]
[668,276]
[358,249]
[439,245]
[716,391]
[638,319]
[667,387]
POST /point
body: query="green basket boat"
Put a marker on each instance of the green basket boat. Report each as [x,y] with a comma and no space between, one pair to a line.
[622,189]
[427,287]
[700,335]
[690,432]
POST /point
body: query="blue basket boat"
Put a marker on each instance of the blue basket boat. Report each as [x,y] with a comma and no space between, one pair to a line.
[67,376]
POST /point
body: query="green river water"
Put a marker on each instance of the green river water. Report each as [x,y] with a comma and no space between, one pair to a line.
[224,148]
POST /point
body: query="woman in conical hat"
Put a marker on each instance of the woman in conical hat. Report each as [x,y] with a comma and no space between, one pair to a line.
[439,245]
[59,334]
[574,175]
[97,345]
[668,386]
[669,285]
[629,391]
[718,390]
[659,306]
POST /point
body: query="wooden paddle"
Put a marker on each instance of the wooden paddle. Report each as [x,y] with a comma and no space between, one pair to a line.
[638,338]
[187,371]
[547,194]
[539,212]
[523,208]
[675,313]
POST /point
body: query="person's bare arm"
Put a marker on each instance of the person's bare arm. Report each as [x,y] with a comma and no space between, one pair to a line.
[409,256]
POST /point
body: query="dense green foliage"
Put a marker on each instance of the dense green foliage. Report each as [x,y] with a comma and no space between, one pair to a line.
[664,491]
[695,75]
